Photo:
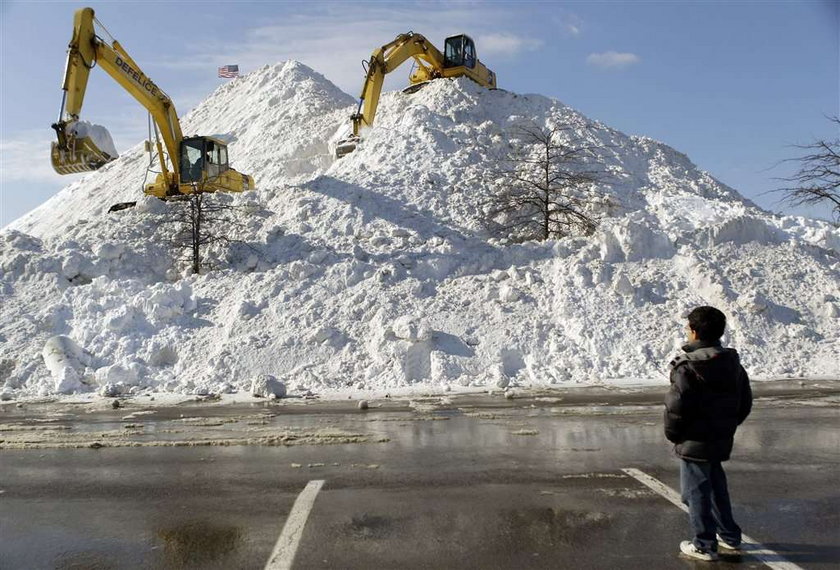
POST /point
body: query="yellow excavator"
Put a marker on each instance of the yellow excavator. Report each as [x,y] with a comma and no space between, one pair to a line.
[458,59]
[195,164]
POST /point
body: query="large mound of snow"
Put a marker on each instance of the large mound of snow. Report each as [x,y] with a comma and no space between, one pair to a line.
[373,272]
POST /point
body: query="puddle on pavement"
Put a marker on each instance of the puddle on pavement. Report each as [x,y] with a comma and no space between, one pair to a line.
[195,543]
[366,526]
[525,529]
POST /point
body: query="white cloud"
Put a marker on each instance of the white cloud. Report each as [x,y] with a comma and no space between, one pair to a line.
[571,24]
[612,59]
[26,174]
[334,42]
[26,158]
[505,45]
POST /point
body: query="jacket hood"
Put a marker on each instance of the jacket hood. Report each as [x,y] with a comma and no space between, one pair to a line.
[700,350]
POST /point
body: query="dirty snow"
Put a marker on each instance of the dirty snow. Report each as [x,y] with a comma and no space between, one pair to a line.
[373,273]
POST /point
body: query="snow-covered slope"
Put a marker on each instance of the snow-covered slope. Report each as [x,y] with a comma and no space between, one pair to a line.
[373,272]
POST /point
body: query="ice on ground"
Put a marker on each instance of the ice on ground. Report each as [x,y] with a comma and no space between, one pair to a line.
[373,274]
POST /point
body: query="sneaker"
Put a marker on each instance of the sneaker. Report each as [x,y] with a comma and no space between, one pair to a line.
[729,548]
[687,547]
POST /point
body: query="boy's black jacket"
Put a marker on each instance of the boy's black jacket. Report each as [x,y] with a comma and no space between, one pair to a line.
[710,396]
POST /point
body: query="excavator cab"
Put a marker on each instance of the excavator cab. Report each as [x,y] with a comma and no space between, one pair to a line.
[459,51]
[202,158]
[202,167]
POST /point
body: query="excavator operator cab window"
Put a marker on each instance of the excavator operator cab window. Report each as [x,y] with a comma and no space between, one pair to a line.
[211,157]
[223,158]
[192,160]
[469,52]
[458,51]
[453,54]
[200,155]
[216,158]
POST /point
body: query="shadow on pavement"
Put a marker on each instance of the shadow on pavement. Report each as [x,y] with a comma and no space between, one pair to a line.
[817,553]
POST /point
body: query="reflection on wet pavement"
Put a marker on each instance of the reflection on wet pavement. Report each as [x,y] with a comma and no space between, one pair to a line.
[194,543]
[526,529]
[459,485]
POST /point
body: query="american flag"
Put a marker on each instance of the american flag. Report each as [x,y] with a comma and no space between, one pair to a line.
[229,71]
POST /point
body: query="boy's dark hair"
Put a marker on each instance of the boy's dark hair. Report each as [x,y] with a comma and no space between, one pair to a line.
[708,322]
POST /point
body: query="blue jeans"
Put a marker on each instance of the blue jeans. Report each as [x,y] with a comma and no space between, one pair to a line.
[705,492]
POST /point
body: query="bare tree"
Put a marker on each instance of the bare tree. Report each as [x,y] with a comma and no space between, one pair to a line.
[544,186]
[818,179]
[202,219]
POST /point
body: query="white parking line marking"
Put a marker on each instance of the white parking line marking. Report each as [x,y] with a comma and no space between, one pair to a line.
[749,546]
[657,486]
[284,551]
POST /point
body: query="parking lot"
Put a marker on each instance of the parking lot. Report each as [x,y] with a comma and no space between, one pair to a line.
[552,480]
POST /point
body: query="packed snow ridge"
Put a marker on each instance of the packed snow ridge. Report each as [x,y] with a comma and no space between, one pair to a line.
[373,273]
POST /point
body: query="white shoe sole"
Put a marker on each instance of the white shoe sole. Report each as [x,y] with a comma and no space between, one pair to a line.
[728,548]
[687,549]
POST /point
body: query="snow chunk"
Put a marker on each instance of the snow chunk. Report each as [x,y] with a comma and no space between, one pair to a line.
[267,386]
[445,367]
[162,355]
[411,328]
[67,362]
[110,390]
[121,374]
[753,302]
[623,285]
[743,229]
[109,251]
[634,239]
[498,377]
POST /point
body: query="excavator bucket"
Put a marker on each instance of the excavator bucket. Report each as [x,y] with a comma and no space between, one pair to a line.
[84,156]
[81,147]
[346,146]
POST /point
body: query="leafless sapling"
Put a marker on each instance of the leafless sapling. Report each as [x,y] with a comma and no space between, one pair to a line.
[202,219]
[545,185]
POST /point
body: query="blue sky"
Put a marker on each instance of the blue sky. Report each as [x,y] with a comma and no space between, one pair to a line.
[731,84]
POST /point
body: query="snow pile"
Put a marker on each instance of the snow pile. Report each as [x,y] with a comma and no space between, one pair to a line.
[373,272]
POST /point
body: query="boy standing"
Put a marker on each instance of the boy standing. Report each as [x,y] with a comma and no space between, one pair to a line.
[709,398]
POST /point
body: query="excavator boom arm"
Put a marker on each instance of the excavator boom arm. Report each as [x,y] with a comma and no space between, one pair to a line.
[385,60]
[86,50]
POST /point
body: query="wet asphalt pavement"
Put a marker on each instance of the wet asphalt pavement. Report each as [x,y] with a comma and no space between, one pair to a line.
[464,482]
